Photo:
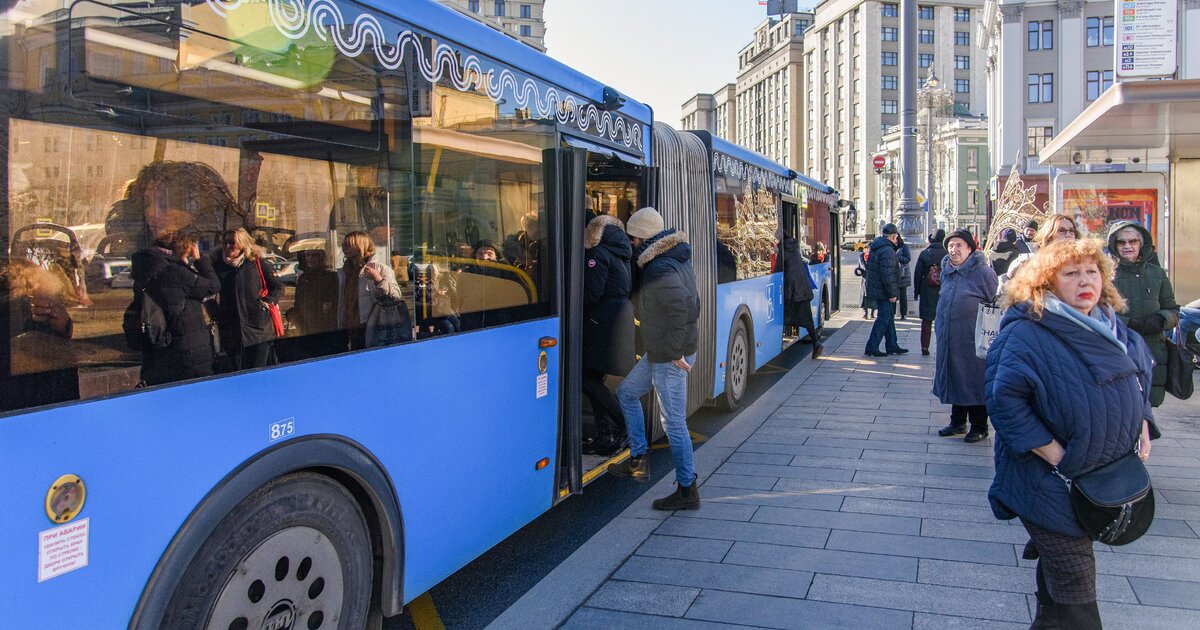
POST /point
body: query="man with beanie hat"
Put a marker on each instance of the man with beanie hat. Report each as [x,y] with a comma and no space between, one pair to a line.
[1025,242]
[958,377]
[883,288]
[669,308]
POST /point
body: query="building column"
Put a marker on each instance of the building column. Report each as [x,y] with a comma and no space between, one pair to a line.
[1072,82]
[1012,96]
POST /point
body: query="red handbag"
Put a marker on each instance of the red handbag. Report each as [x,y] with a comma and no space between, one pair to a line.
[272,308]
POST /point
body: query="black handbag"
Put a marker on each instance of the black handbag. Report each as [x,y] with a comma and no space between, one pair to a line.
[1114,504]
[1181,362]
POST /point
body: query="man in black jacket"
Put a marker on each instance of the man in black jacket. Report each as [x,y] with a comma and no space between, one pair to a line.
[669,308]
[883,288]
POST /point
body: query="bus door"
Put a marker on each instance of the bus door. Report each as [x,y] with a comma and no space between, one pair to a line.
[835,258]
[790,217]
[595,180]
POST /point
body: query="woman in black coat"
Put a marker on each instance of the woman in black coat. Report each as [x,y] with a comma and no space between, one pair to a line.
[608,335]
[247,334]
[925,292]
[797,289]
[164,271]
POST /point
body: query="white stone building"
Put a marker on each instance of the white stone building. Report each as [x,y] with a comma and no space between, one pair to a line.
[523,20]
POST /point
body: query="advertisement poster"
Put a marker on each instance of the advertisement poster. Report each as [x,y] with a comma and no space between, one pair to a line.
[1095,209]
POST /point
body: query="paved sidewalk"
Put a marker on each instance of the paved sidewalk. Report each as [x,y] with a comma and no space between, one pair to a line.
[832,503]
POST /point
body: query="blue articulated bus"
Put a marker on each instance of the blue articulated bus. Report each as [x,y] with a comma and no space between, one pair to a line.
[338,476]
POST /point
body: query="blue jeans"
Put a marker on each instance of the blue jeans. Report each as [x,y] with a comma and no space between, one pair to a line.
[884,328]
[671,384]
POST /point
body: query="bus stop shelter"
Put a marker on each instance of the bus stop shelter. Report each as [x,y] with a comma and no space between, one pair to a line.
[1140,126]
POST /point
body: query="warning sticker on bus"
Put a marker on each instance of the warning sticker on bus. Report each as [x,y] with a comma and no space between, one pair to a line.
[543,385]
[62,549]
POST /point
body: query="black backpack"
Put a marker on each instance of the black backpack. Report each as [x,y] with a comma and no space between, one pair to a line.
[145,323]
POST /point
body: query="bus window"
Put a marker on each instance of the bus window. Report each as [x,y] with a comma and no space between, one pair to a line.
[478,225]
[747,218]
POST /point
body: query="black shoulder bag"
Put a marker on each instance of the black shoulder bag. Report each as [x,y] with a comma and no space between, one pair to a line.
[1181,362]
[1114,503]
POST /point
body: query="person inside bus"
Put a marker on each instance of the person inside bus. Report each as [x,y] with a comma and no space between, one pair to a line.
[240,310]
[431,301]
[361,283]
[669,308]
[797,290]
[173,272]
[315,311]
[523,249]
[608,331]
[820,254]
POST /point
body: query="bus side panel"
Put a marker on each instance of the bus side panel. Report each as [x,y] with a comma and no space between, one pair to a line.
[763,296]
[822,276]
[457,422]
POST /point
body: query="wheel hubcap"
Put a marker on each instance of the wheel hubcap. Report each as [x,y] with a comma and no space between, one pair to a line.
[292,580]
[737,363]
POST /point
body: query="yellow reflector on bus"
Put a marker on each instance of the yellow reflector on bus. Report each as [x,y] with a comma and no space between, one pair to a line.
[542,463]
[547,342]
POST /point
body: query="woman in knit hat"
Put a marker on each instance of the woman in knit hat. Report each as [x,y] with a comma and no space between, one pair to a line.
[927,284]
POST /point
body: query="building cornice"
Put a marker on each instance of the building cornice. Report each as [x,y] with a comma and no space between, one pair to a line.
[1011,13]
[1070,8]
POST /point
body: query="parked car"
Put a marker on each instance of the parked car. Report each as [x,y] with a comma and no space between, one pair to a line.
[287,271]
[122,280]
[855,246]
[101,271]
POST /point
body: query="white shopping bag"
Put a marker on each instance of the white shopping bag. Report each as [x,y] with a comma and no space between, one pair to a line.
[987,326]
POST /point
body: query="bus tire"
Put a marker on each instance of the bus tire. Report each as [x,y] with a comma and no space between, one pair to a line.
[825,312]
[737,367]
[296,553]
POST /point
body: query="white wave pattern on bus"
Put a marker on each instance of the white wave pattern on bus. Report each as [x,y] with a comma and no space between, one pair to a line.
[733,167]
[294,18]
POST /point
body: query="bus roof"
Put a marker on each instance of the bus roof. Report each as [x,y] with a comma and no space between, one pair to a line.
[722,145]
[452,25]
[814,184]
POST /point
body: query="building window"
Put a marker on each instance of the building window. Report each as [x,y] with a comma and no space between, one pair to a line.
[500,8]
[1034,33]
[962,38]
[1040,88]
[473,6]
[889,58]
[1036,139]
[962,15]
[972,197]
[962,86]
[1048,35]
[925,12]
[526,11]
[1108,31]
[526,30]
[1100,31]
[962,62]
[1097,82]
[889,106]
[925,36]
[891,34]
[925,60]
[891,10]
[889,82]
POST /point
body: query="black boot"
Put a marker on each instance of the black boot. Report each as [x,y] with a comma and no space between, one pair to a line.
[952,429]
[636,467]
[817,349]
[1078,616]
[1046,617]
[684,498]
[608,444]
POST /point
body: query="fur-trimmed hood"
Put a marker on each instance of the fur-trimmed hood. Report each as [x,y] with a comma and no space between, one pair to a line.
[662,244]
[596,228]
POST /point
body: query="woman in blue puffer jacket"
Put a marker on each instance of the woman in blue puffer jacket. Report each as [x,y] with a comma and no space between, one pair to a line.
[1067,385]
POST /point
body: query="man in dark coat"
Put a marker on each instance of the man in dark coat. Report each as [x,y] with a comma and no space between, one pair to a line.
[883,290]
[1026,243]
[669,307]
[1152,309]
[925,291]
[179,289]
[958,380]
[797,289]
[904,257]
[608,334]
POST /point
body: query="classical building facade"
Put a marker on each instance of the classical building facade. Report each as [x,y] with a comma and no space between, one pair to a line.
[1046,60]
[523,20]
[715,113]
[852,85]
[769,95]
[960,168]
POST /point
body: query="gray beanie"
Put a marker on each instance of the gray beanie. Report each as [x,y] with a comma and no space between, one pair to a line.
[645,223]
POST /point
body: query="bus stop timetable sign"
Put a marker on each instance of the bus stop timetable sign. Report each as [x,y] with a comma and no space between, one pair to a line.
[1147,32]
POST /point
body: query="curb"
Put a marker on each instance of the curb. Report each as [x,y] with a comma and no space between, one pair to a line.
[561,592]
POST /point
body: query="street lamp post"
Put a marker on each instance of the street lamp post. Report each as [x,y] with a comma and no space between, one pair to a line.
[933,98]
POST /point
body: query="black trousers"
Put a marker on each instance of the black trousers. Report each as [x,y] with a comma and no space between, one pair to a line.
[926,333]
[902,311]
[799,314]
[609,418]
[977,414]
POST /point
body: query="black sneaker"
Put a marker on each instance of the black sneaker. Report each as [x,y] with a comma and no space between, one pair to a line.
[898,351]
[608,445]
[875,353]
[975,436]
[636,467]
[682,499]
[952,429]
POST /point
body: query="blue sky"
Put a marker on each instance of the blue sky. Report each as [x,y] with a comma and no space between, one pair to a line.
[660,52]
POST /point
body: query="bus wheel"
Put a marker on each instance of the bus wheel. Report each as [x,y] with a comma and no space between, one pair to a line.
[737,368]
[295,554]
[825,313]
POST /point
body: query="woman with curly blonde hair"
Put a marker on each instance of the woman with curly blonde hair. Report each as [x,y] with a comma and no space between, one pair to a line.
[1068,383]
[248,285]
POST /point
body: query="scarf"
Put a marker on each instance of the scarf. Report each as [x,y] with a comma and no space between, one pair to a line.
[1101,320]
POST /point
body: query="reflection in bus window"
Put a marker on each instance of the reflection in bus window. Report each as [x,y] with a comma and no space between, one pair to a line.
[746,221]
